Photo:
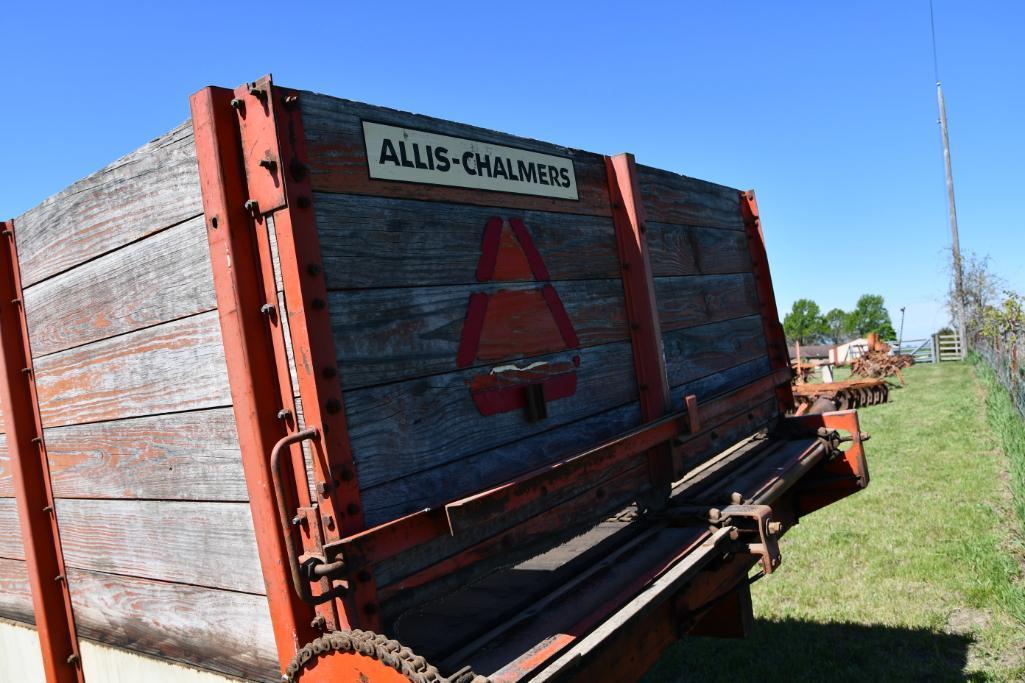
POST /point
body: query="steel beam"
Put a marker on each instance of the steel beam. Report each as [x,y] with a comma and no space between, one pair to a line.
[51,598]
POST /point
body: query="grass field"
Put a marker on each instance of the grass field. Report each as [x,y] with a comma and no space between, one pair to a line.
[919,577]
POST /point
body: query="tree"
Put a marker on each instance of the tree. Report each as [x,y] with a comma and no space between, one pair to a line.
[870,315]
[836,326]
[982,290]
[804,323]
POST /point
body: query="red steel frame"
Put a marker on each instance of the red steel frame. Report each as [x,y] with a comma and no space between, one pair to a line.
[51,599]
[775,340]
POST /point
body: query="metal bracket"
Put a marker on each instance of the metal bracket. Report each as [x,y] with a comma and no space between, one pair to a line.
[747,520]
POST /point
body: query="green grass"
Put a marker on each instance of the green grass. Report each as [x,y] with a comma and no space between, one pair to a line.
[918,577]
[1009,427]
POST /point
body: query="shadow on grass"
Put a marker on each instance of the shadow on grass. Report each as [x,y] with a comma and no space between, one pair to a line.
[793,650]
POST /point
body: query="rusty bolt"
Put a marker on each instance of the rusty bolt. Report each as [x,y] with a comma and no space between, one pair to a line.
[303,202]
[26,370]
[7,233]
[297,520]
[774,528]
[323,488]
[48,508]
[319,622]
[37,439]
[72,659]
[329,522]
[269,164]
[334,406]
[58,578]
[298,169]
[284,414]
[237,104]
[252,207]
[15,301]
[291,100]
[267,309]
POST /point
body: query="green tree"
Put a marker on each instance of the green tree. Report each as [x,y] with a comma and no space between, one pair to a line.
[836,324]
[804,323]
[870,315]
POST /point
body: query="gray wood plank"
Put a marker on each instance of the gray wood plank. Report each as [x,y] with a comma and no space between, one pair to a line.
[154,187]
[693,250]
[697,300]
[672,198]
[384,242]
[184,456]
[15,594]
[401,428]
[691,352]
[338,162]
[384,335]
[428,488]
[177,366]
[10,530]
[163,277]
[204,544]
[221,631]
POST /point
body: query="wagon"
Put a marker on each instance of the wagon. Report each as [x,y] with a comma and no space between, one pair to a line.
[323,391]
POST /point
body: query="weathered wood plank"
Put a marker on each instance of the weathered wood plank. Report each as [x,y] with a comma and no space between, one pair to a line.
[383,242]
[672,198]
[401,428]
[385,335]
[388,500]
[163,277]
[184,456]
[10,530]
[204,544]
[691,250]
[338,162]
[177,366]
[692,352]
[6,476]
[154,187]
[212,629]
[15,593]
[698,300]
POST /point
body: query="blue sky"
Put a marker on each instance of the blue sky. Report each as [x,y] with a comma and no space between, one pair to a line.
[828,110]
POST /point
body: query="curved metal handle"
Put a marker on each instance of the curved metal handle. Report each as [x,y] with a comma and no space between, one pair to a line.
[300,585]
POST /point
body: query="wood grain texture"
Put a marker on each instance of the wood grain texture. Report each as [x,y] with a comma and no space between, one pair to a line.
[217,630]
[163,277]
[385,335]
[6,476]
[384,242]
[693,352]
[406,427]
[338,161]
[691,250]
[177,366]
[15,593]
[697,300]
[10,530]
[154,187]
[672,198]
[184,456]
[391,499]
[204,544]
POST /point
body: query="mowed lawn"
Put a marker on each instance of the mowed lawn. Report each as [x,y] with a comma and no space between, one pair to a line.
[917,578]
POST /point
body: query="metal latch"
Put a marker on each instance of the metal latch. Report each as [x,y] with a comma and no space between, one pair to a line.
[756,520]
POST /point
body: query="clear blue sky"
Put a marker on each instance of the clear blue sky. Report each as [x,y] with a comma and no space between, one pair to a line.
[827,109]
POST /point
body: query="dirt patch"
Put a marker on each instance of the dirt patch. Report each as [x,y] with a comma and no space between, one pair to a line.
[966,620]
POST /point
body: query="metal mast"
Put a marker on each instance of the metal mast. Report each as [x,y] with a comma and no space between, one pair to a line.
[951,206]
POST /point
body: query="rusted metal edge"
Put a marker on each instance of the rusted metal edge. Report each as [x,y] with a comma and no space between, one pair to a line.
[253,372]
[30,470]
[278,179]
[775,339]
[641,307]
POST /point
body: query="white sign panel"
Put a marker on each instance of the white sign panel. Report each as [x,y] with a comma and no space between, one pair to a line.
[415,156]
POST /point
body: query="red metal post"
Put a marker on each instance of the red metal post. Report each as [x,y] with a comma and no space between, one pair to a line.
[51,599]
[274,145]
[249,350]
[641,306]
[775,340]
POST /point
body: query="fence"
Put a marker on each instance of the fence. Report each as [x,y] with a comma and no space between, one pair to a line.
[948,347]
[922,350]
[1005,357]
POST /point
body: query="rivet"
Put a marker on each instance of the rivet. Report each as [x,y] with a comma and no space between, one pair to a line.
[37,439]
[26,370]
[58,578]
[291,101]
[329,522]
[267,309]
[252,207]
[48,508]
[15,301]
[323,487]
[237,104]
[284,414]
[6,233]
[334,405]
[298,169]
[72,659]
